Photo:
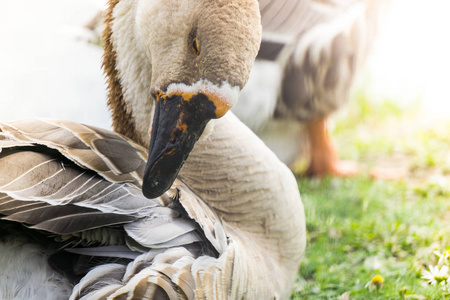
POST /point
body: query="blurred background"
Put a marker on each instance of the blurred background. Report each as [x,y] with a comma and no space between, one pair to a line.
[410,60]
[48,69]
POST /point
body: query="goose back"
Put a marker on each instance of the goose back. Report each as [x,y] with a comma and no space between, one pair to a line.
[310,53]
[216,234]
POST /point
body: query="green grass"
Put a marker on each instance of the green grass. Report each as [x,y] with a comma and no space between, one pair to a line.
[360,227]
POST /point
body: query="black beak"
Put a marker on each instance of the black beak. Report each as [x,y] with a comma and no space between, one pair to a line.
[178,123]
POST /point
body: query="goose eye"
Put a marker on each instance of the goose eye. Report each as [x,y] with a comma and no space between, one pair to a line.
[195,47]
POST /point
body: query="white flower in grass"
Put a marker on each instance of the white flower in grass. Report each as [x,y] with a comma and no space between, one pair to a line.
[436,275]
[443,257]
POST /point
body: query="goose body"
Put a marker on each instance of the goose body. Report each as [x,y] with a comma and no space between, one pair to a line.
[310,53]
[85,204]
[230,225]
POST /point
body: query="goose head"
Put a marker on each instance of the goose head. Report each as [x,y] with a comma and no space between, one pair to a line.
[201,53]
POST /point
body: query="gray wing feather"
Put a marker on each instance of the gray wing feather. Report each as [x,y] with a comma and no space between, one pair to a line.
[154,275]
[81,222]
[85,146]
[292,17]
[72,181]
[45,189]
[17,206]
[98,278]
[208,220]
[36,215]
[153,231]
[106,251]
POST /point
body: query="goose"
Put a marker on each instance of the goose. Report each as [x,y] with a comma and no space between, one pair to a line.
[310,53]
[209,212]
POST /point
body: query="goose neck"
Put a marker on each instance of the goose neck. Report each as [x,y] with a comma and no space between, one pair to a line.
[248,186]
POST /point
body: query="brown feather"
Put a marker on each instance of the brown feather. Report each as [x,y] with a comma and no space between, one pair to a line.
[123,122]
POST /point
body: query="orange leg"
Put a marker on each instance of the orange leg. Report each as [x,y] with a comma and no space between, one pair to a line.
[324,158]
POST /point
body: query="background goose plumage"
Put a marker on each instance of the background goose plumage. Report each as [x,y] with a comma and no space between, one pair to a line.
[310,53]
[229,227]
